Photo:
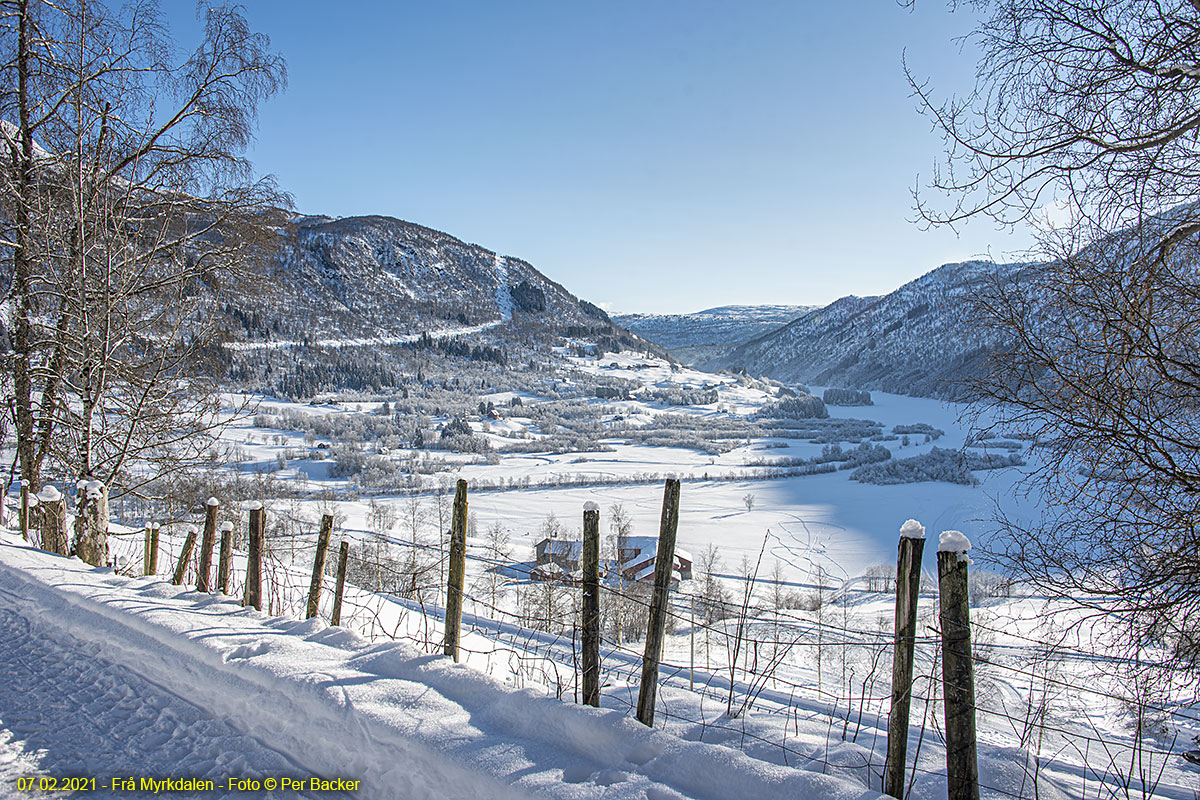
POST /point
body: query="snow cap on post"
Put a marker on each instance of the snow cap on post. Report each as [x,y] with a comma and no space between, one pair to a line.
[254,505]
[50,495]
[212,501]
[911,529]
[955,542]
[591,505]
[226,526]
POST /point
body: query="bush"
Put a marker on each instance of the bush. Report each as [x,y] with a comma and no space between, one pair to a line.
[847,397]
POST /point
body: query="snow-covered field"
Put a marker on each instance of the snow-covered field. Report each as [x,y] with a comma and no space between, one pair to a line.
[807,690]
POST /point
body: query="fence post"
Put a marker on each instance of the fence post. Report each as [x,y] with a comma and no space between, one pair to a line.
[91,543]
[664,561]
[203,584]
[23,513]
[226,561]
[185,555]
[254,553]
[318,576]
[958,675]
[54,521]
[457,570]
[146,550]
[591,604]
[154,532]
[340,589]
[908,586]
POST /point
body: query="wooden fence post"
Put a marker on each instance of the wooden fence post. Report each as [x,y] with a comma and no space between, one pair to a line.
[254,554]
[154,533]
[146,550]
[664,562]
[340,589]
[203,582]
[958,674]
[908,586]
[91,543]
[457,570]
[318,576]
[185,556]
[225,563]
[23,513]
[591,604]
[54,521]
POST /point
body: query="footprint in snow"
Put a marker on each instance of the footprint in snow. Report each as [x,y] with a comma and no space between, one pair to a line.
[247,651]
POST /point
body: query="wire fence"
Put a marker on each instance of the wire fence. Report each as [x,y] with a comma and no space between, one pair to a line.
[760,694]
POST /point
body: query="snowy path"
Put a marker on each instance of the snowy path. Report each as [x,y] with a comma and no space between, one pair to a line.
[83,715]
[377,341]
[112,676]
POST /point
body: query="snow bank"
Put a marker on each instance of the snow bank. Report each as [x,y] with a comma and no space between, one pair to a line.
[408,724]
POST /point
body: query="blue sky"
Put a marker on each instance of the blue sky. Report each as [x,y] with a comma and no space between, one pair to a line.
[659,156]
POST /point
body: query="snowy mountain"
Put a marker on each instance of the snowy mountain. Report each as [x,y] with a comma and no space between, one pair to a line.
[706,335]
[377,277]
[362,302]
[914,341]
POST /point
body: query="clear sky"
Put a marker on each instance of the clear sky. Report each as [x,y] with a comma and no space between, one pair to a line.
[650,155]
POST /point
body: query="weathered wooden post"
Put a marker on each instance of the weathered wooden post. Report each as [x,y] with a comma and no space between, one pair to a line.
[146,550]
[254,554]
[457,570]
[226,560]
[23,512]
[958,674]
[340,588]
[54,521]
[155,529]
[591,604]
[908,586]
[185,555]
[664,561]
[318,576]
[91,543]
[204,575]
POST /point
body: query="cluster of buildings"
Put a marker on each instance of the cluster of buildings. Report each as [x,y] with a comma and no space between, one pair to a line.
[561,560]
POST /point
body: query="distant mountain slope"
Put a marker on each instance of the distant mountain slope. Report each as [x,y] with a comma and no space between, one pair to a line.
[370,277]
[707,334]
[916,340]
[365,302]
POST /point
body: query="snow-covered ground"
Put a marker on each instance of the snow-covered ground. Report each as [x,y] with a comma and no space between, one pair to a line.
[109,677]
[809,686]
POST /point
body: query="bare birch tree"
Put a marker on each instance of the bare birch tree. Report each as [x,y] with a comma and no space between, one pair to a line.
[127,207]
[1084,119]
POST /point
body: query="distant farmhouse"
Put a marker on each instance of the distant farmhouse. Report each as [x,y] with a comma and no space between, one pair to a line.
[561,560]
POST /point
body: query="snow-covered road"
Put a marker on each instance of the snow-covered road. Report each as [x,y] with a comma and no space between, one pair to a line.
[106,676]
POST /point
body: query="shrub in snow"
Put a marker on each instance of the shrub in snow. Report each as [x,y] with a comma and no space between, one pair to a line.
[847,397]
[802,406]
[920,428]
[949,466]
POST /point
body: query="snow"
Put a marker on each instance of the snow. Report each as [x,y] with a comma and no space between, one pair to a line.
[503,292]
[111,676]
[911,529]
[212,501]
[591,505]
[49,494]
[226,526]
[955,542]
